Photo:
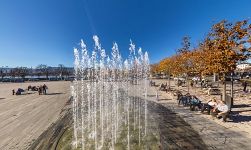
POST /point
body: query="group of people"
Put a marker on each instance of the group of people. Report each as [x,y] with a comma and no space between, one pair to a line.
[217,108]
[42,89]
[18,92]
[164,87]
[151,83]
[214,107]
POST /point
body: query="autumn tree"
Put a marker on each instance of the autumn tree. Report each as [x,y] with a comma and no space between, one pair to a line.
[154,68]
[185,45]
[225,46]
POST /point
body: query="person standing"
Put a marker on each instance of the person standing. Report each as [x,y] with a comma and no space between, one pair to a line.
[245,86]
[44,89]
[40,90]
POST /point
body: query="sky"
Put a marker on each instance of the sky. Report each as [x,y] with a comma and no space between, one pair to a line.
[36,32]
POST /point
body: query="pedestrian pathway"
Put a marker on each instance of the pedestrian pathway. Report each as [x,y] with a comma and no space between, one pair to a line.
[214,135]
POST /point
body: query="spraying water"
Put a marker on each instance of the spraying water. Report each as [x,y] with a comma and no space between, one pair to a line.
[107,109]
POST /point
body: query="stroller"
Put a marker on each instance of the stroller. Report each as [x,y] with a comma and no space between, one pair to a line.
[19,91]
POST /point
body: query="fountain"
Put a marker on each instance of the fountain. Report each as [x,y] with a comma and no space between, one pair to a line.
[108,112]
[106,99]
[112,108]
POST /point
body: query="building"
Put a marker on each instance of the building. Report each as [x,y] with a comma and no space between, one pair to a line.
[243,66]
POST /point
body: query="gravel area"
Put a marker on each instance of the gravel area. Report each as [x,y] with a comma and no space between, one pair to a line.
[24,118]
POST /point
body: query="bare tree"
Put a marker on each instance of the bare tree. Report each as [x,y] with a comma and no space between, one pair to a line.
[23,71]
[20,72]
[62,71]
[12,72]
[2,74]
[44,70]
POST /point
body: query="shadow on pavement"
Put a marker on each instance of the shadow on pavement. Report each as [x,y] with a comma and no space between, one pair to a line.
[175,133]
[54,93]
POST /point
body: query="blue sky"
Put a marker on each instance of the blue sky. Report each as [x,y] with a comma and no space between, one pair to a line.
[36,32]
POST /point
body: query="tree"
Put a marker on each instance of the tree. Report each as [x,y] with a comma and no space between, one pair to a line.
[225,46]
[22,72]
[185,45]
[2,74]
[185,61]
[62,70]
[44,70]
[154,68]
[19,72]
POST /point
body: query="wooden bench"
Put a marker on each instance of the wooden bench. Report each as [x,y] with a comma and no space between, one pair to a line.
[214,91]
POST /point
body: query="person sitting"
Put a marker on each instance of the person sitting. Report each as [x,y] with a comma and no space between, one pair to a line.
[179,83]
[34,88]
[151,83]
[191,83]
[29,87]
[209,105]
[194,102]
[184,99]
[13,92]
[162,87]
[221,110]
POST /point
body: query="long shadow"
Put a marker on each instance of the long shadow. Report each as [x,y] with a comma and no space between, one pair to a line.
[28,93]
[164,99]
[240,118]
[2,98]
[175,133]
[54,93]
[241,106]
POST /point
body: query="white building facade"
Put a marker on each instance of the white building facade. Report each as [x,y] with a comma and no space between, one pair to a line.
[243,66]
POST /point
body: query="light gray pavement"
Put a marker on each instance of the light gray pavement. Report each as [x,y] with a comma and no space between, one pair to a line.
[214,133]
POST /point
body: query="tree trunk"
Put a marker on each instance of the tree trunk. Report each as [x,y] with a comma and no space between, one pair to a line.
[47,76]
[187,80]
[169,78]
[215,78]
[224,88]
